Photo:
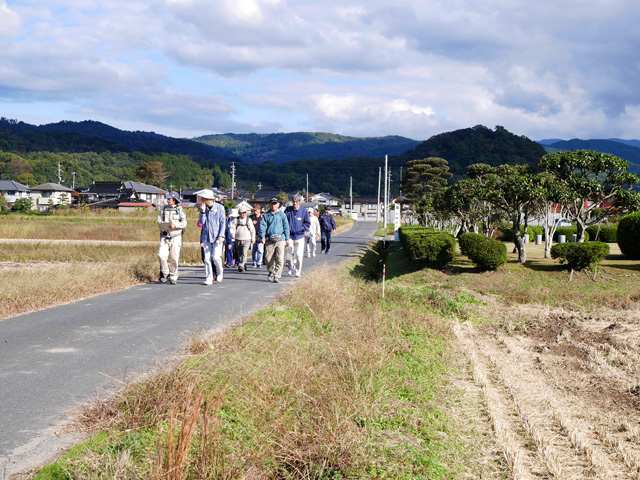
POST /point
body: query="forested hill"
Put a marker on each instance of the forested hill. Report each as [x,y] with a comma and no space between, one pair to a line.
[91,136]
[620,148]
[286,147]
[478,144]
[460,148]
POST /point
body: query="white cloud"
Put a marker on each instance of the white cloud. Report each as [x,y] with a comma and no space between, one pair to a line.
[415,68]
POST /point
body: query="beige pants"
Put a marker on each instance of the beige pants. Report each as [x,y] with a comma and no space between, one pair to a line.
[169,255]
[274,254]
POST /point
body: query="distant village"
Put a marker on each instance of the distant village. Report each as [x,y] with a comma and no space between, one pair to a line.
[127,196]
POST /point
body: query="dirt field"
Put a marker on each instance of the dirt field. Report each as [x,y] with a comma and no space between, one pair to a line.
[560,390]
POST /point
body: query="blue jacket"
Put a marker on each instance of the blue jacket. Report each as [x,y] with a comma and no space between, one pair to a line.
[213,223]
[299,221]
[274,224]
[327,223]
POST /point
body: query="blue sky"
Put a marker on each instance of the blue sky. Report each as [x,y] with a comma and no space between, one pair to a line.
[545,69]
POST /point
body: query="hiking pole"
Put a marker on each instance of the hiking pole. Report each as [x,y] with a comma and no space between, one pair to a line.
[384,274]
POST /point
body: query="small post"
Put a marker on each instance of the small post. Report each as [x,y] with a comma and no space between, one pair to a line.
[384,274]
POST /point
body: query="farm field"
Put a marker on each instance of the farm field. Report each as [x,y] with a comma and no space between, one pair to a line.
[51,260]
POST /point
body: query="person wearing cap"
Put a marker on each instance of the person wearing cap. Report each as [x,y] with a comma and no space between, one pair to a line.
[327,225]
[258,247]
[299,224]
[313,234]
[212,235]
[172,221]
[274,234]
[245,237]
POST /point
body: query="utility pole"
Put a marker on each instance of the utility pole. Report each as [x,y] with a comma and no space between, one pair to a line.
[307,188]
[73,186]
[378,204]
[350,196]
[233,180]
[384,209]
[59,174]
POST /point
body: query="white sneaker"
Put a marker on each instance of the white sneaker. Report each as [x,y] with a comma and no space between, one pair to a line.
[314,254]
[298,274]
[308,254]
[208,281]
[290,272]
[219,278]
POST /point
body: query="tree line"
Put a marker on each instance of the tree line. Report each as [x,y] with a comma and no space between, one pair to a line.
[574,184]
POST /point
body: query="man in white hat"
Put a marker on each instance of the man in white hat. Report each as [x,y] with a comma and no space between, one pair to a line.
[212,218]
[172,221]
[245,237]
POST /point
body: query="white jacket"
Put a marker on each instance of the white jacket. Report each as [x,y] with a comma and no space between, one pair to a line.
[314,229]
[244,229]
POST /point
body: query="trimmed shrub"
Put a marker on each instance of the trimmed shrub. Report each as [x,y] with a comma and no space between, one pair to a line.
[629,236]
[435,247]
[485,253]
[579,256]
[603,233]
[468,242]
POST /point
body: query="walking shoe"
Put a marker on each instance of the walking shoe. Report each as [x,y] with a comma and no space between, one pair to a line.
[241,268]
[326,252]
[276,279]
[290,272]
[208,281]
[162,278]
[173,281]
[314,254]
[307,254]
[270,277]
[298,274]
[219,278]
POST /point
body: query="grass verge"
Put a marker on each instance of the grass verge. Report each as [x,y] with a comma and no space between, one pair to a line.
[328,382]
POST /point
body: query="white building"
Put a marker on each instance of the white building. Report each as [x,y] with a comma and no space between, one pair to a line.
[13,191]
[50,195]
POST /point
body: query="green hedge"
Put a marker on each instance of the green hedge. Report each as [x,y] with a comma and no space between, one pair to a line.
[607,233]
[485,253]
[567,232]
[436,247]
[629,236]
[579,256]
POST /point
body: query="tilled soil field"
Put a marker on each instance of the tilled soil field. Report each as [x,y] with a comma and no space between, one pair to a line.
[559,389]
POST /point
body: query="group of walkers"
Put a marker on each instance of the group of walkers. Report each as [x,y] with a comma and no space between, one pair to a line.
[274,237]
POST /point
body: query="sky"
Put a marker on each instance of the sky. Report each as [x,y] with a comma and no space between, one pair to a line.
[416,68]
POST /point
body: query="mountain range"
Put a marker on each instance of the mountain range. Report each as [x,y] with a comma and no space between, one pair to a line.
[96,151]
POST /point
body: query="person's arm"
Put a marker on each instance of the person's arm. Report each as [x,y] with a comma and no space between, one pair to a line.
[306,221]
[222,225]
[285,224]
[252,230]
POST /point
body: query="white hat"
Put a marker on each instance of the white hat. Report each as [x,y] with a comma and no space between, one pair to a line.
[243,209]
[206,194]
[234,213]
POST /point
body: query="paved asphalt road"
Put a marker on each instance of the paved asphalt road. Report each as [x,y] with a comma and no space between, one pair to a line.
[55,359]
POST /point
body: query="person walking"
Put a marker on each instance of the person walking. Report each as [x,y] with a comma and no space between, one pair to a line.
[172,221]
[327,225]
[230,233]
[245,237]
[258,247]
[312,234]
[274,234]
[212,235]
[299,224]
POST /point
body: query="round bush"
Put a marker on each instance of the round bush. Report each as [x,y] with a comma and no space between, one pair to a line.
[490,255]
[468,242]
[579,256]
[629,236]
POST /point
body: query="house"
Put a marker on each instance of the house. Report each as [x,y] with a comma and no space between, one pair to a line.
[100,191]
[325,199]
[50,195]
[13,191]
[363,209]
[146,193]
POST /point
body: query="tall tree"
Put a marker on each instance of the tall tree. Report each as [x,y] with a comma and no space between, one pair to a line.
[590,179]
[423,180]
[152,173]
[514,189]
